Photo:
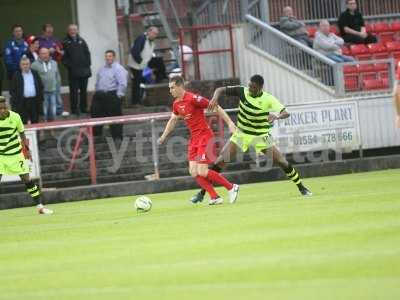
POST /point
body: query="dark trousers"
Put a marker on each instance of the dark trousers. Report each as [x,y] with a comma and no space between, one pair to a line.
[355,39]
[107,104]
[29,109]
[137,77]
[78,86]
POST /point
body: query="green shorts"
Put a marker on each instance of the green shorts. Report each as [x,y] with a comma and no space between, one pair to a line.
[13,165]
[258,142]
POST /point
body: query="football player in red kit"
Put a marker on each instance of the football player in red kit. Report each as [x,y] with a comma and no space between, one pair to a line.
[201,150]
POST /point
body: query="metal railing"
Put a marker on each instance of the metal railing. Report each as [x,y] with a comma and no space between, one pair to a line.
[291,52]
[234,11]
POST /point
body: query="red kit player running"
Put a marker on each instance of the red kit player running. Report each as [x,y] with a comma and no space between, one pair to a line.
[190,107]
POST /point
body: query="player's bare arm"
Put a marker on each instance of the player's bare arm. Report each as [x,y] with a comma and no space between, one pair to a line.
[25,146]
[224,116]
[222,91]
[169,128]
[282,115]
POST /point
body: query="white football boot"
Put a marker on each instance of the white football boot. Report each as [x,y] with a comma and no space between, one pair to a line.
[216,201]
[43,210]
[233,193]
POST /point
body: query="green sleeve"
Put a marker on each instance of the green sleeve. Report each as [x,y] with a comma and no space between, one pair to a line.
[274,105]
[20,125]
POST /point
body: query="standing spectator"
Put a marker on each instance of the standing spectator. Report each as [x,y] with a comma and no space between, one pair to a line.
[48,71]
[293,27]
[352,26]
[111,84]
[47,40]
[329,44]
[77,61]
[33,49]
[27,92]
[14,49]
[141,53]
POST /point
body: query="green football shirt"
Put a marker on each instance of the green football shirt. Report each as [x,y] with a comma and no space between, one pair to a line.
[10,128]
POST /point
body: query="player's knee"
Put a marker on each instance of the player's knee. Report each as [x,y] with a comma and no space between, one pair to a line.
[193,172]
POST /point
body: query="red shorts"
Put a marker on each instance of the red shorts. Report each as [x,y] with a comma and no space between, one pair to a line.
[202,148]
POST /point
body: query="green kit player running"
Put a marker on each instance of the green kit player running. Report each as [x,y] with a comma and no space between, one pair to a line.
[254,122]
[13,149]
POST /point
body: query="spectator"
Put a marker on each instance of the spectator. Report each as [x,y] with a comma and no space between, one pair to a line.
[352,26]
[329,44]
[27,92]
[294,28]
[111,84]
[77,61]
[14,49]
[48,71]
[33,49]
[141,53]
[47,40]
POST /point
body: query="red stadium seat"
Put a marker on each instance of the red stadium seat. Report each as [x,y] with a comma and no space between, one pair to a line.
[334,30]
[385,37]
[395,26]
[385,83]
[373,84]
[378,51]
[346,51]
[351,84]
[367,71]
[394,49]
[361,52]
[312,31]
[381,27]
[350,69]
[368,27]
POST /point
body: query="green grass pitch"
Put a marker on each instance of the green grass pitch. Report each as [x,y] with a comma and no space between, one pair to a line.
[343,243]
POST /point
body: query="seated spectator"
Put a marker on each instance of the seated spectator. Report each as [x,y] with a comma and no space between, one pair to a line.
[33,49]
[352,26]
[111,84]
[48,72]
[294,28]
[26,91]
[14,50]
[141,53]
[329,44]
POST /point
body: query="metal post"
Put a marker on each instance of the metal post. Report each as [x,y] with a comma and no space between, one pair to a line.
[181,37]
[264,10]
[338,79]
[232,52]
[92,155]
[155,149]
[244,6]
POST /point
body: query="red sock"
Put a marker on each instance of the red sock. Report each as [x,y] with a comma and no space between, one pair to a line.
[205,184]
[218,178]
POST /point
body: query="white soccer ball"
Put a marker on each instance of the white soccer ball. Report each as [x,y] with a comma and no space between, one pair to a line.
[143,204]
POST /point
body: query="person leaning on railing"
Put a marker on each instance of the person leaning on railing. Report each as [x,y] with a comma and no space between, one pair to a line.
[352,26]
[293,27]
[111,84]
[329,44]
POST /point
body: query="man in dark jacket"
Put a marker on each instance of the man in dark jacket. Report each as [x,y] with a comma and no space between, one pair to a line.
[77,61]
[141,53]
[26,91]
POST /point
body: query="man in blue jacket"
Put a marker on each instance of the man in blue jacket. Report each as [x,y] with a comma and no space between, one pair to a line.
[14,49]
[141,53]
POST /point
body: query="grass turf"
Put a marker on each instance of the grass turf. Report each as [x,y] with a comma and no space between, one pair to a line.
[343,243]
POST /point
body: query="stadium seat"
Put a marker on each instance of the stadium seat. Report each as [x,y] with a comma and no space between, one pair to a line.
[385,37]
[385,83]
[311,31]
[395,26]
[367,71]
[361,52]
[346,51]
[394,50]
[350,69]
[351,84]
[334,30]
[378,51]
[381,27]
[373,84]
[368,28]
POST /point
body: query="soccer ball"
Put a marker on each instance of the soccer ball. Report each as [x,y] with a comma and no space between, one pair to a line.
[143,204]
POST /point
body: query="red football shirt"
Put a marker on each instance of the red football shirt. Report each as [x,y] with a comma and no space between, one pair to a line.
[191,108]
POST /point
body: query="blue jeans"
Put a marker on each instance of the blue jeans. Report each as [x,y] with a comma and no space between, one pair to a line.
[340,58]
[59,105]
[49,105]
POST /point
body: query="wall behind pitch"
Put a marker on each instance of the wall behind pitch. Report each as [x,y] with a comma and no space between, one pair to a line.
[98,26]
